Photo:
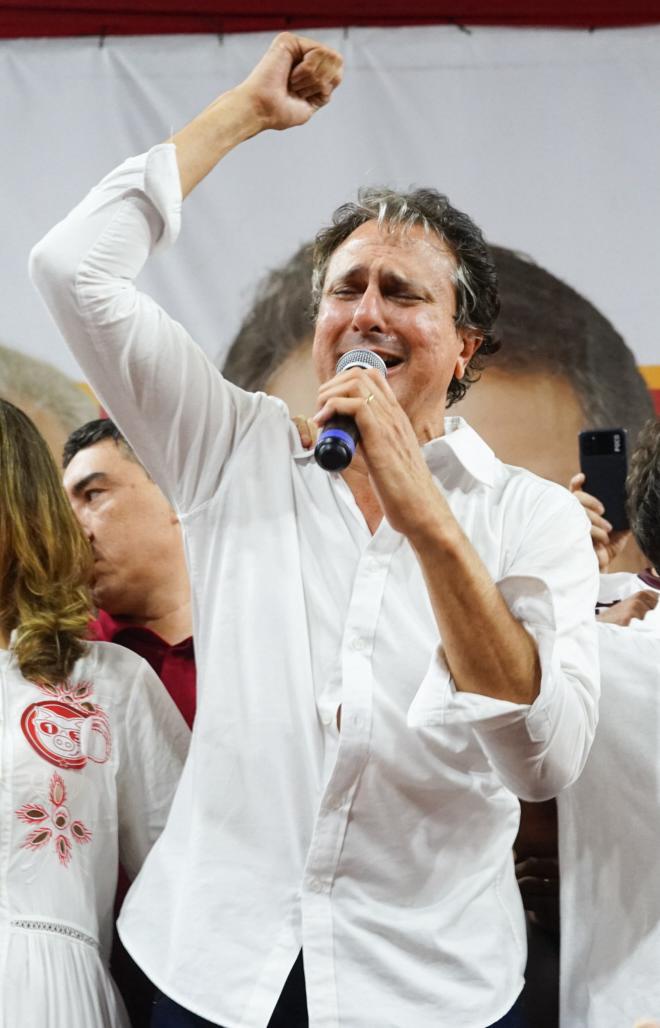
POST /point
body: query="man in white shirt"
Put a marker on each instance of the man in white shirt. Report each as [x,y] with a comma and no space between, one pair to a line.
[608,820]
[386,658]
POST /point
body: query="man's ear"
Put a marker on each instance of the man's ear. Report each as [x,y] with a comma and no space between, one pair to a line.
[471,339]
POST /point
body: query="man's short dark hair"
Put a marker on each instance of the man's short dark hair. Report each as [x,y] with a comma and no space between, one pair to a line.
[278,322]
[643,490]
[90,434]
[547,327]
[475,278]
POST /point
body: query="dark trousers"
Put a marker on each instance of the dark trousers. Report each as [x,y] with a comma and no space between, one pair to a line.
[290,1012]
[514,1019]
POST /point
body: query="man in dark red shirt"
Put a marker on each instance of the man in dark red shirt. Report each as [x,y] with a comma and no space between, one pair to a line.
[141,589]
[140,581]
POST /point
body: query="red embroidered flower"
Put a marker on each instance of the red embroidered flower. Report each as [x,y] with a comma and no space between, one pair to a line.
[36,813]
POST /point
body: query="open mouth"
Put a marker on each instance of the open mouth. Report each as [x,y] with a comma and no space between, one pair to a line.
[392,362]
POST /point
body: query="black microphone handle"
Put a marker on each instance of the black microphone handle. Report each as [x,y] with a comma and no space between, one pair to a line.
[336,444]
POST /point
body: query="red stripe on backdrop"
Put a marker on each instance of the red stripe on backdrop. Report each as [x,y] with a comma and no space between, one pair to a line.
[651,373]
[119,17]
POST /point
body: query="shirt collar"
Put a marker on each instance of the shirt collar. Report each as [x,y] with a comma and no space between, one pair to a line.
[111,627]
[460,444]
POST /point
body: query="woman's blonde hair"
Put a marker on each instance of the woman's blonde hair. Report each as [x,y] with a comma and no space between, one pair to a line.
[45,559]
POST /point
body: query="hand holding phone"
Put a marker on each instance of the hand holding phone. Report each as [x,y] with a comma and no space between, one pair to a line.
[608,476]
[604,465]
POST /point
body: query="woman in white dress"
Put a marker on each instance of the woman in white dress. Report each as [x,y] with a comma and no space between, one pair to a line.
[91,748]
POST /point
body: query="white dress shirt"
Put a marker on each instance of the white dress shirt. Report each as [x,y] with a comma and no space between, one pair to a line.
[384,850]
[609,840]
[87,774]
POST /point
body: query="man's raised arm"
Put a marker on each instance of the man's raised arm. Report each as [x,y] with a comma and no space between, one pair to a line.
[169,401]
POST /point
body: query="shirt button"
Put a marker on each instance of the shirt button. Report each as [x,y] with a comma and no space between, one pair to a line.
[373,565]
[316,885]
[337,803]
[327,719]
[358,643]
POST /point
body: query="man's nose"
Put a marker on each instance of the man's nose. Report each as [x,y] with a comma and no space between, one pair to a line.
[369,314]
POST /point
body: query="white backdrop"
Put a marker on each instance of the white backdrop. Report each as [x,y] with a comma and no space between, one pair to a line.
[549,139]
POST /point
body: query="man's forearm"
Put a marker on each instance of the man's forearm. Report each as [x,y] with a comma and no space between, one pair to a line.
[223,125]
[487,650]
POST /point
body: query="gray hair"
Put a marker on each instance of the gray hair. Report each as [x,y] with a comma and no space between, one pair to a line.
[36,382]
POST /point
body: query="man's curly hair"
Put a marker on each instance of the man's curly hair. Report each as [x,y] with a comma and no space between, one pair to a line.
[643,490]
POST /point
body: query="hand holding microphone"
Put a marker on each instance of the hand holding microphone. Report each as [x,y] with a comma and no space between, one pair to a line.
[398,475]
[336,444]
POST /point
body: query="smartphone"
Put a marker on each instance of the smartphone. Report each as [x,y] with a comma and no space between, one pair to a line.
[604,464]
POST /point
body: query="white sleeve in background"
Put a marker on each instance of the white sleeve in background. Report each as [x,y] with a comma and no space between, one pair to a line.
[153,744]
[180,416]
[550,585]
[609,840]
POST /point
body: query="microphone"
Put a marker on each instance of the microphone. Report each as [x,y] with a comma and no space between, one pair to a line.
[336,444]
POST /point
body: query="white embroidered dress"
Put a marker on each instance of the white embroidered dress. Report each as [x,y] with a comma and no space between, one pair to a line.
[87,773]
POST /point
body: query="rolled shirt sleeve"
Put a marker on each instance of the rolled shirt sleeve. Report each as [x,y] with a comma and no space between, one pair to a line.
[550,586]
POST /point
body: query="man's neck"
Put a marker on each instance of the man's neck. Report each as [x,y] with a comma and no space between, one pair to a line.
[173,626]
[173,623]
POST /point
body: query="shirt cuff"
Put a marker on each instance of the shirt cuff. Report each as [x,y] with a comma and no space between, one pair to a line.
[438,702]
[162,187]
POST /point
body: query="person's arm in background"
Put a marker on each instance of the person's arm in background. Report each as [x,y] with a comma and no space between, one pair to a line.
[171,404]
[608,544]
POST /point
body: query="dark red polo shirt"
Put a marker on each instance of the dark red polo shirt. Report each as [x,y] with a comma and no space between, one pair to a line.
[174,665]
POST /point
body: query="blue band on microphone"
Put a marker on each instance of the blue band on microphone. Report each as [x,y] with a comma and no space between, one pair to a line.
[337,433]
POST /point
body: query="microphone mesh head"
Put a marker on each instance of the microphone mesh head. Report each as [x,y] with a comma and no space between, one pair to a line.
[361,359]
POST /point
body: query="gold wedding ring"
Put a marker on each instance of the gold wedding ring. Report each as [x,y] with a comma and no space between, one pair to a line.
[369,398]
